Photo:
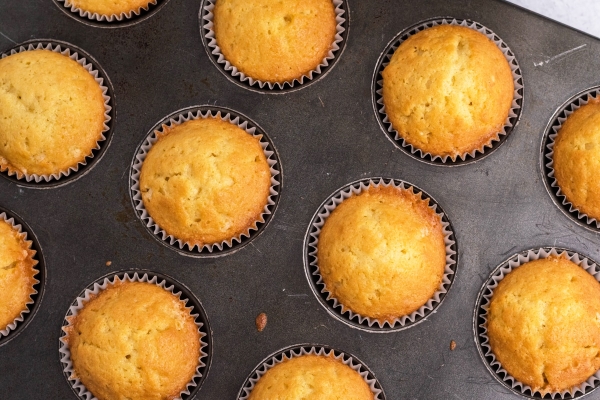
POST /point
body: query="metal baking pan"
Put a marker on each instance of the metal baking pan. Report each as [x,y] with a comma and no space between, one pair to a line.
[326,135]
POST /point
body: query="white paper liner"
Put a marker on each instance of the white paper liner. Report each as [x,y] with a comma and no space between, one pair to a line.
[23,233]
[486,295]
[355,189]
[512,62]
[179,119]
[297,351]
[104,17]
[568,109]
[73,55]
[214,49]
[79,303]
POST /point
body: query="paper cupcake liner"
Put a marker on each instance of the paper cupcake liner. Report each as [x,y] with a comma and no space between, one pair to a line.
[107,18]
[480,322]
[35,297]
[236,242]
[100,77]
[377,91]
[554,126]
[166,283]
[319,350]
[214,52]
[335,307]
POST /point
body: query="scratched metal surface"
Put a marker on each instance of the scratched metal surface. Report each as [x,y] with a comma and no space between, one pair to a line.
[327,136]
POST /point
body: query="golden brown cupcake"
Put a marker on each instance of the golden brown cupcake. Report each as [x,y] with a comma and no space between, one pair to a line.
[448,90]
[544,324]
[134,341]
[381,253]
[205,181]
[275,41]
[311,377]
[16,274]
[577,159]
[51,113]
[111,7]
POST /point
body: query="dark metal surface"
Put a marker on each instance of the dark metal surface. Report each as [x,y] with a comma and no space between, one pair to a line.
[326,136]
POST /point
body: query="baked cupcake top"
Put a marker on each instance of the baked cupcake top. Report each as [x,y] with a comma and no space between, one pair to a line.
[205,181]
[275,41]
[544,324]
[311,377]
[16,274]
[110,7]
[448,90]
[381,253]
[51,113]
[577,159]
[134,340]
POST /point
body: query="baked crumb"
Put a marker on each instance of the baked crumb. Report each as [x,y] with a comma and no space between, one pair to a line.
[452,345]
[261,322]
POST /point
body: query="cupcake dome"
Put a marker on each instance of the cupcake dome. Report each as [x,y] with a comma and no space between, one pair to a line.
[311,377]
[134,340]
[448,90]
[110,7]
[275,41]
[381,253]
[577,159]
[16,274]
[51,113]
[544,326]
[205,181]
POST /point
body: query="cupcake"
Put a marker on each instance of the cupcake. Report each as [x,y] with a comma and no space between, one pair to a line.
[134,340]
[275,42]
[448,91]
[17,274]
[543,324]
[382,253]
[577,159]
[111,7]
[51,113]
[311,377]
[205,181]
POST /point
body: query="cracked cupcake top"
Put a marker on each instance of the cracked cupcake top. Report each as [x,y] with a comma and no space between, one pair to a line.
[544,324]
[134,340]
[51,113]
[205,181]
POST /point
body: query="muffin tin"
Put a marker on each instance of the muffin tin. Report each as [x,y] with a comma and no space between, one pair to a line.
[326,136]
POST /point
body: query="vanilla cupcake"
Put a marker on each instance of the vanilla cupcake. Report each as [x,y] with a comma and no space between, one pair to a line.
[311,377]
[52,113]
[543,324]
[205,181]
[577,159]
[275,42]
[448,91]
[382,253]
[134,340]
[111,7]
[17,274]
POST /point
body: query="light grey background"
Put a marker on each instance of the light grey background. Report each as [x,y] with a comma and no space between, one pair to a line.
[580,14]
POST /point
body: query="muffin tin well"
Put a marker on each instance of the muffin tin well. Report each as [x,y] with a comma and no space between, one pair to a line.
[546,161]
[333,307]
[314,349]
[414,152]
[480,331]
[96,155]
[240,79]
[121,21]
[178,117]
[166,282]
[40,276]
